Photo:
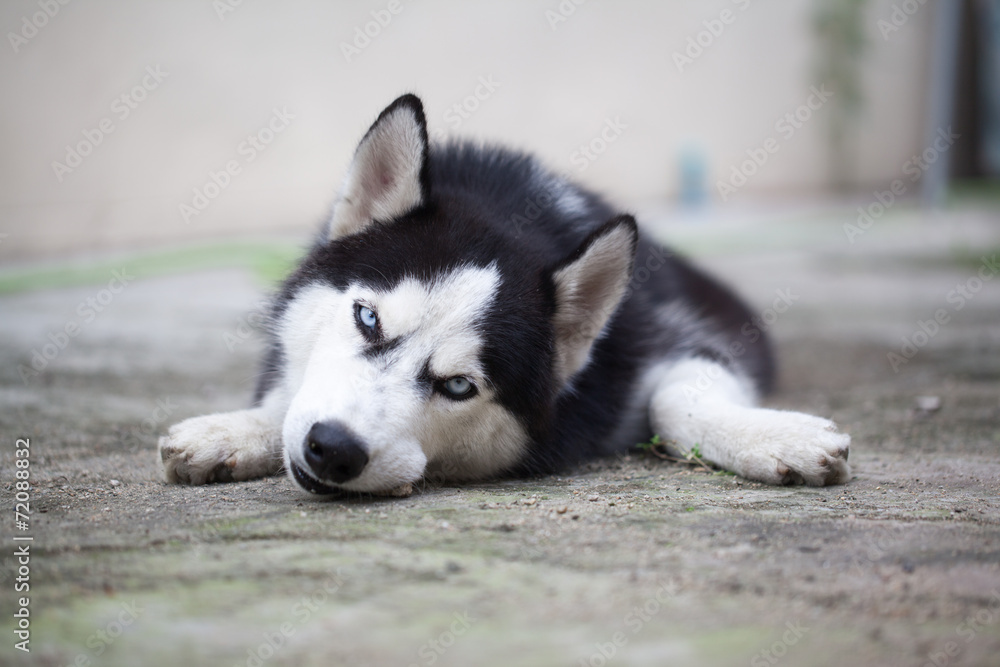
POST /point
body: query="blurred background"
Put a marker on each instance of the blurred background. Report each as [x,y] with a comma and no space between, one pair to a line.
[162,165]
[120,118]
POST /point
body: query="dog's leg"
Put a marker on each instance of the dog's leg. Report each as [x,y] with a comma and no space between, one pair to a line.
[225,447]
[700,402]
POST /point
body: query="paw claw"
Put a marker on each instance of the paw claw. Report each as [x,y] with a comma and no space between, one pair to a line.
[221,473]
[219,448]
[794,448]
[789,477]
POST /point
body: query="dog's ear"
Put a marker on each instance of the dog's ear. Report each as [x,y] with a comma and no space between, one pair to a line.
[589,286]
[389,175]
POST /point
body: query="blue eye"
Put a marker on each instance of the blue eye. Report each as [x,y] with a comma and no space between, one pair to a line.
[367,317]
[458,387]
[367,321]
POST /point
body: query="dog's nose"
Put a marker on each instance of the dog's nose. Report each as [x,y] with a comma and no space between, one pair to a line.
[334,453]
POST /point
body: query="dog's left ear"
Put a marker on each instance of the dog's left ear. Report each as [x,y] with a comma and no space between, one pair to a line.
[388,176]
[589,286]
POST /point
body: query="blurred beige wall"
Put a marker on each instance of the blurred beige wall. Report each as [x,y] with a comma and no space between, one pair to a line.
[209,78]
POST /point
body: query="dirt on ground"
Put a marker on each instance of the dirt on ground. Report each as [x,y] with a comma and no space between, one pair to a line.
[626,561]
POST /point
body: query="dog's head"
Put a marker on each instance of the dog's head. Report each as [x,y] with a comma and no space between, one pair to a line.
[420,341]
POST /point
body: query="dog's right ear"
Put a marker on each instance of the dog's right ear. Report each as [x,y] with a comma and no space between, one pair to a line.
[388,176]
[589,286]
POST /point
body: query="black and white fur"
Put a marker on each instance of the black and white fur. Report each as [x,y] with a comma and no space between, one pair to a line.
[468,314]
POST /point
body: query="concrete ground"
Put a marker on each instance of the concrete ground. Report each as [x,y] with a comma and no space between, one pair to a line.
[628,561]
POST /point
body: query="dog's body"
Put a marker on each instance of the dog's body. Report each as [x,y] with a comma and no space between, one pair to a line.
[467,314]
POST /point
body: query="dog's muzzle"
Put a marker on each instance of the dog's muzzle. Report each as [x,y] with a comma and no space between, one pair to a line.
[333,455]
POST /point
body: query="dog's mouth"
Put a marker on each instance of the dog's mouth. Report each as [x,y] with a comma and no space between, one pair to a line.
[310,483]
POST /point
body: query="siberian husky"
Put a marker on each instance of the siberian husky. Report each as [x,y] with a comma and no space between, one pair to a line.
[466,314]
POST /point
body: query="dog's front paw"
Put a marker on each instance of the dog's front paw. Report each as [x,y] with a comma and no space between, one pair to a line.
[231,446]
[794,448]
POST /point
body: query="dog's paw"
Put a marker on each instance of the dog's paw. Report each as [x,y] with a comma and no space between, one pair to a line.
[226,447]
[793,448]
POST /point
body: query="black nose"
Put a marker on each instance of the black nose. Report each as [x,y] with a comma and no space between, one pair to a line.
[333,453]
